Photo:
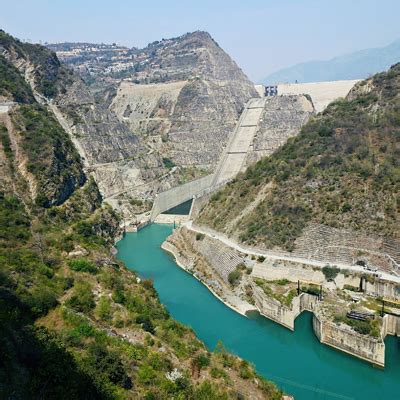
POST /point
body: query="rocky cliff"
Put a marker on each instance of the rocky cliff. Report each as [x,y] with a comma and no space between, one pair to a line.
[37,152]
[183,97]
[109,150]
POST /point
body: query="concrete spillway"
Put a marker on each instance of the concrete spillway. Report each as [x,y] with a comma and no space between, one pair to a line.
[234,156]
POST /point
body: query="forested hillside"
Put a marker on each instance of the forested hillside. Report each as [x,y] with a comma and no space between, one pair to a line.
[342,170]
[74,322]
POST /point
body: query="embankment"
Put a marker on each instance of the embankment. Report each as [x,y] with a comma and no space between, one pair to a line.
[204,257]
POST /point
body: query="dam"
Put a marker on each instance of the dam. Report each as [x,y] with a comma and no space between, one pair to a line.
[264,125]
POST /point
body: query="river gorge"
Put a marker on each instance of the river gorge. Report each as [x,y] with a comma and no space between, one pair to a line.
[296,361]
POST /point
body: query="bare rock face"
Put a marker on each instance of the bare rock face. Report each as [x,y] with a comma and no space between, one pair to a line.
[101,135]
[172,112]
[185,97]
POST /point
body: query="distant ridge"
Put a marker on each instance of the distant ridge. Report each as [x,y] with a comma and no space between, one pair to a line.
[357,65]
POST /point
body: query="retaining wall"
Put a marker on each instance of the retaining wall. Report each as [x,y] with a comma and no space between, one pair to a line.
[361,346]
[382,288]
[391,325]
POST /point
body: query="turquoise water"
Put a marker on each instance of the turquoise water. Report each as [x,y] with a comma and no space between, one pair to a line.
[296,361]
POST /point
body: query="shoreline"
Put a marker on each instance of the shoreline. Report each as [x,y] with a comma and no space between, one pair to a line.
[170,249]
[243,308]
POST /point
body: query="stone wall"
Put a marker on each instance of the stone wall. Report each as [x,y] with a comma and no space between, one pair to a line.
[345,246]
[382,288]
[344,339]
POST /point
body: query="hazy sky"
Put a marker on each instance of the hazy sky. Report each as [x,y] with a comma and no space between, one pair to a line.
[261,35]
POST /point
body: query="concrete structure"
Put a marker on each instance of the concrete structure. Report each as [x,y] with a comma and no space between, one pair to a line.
[271,91]
[274,310]
[5,106]
[177,195]
[171,219]
[231,162]
[260,90]
[344,339]
[321,93]
[391,325]
[234,155]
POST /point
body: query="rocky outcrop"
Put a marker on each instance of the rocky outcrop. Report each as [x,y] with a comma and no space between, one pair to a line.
[39,149]
[186,97]
[109,150]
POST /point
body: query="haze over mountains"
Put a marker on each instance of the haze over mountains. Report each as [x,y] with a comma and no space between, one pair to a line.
[358,65]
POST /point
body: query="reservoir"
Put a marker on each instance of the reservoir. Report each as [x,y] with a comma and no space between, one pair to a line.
[295,361]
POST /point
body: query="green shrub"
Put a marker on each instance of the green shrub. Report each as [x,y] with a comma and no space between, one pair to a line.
[311,289]
[234,277]
[103,309]
[352,288]
[330,272]
[146,323]
[82,299]
[168,163]
[200,236]
[82,265]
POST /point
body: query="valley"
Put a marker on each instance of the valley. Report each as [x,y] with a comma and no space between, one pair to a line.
[284,202]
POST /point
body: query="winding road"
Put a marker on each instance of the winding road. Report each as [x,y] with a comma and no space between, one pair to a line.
[278,255]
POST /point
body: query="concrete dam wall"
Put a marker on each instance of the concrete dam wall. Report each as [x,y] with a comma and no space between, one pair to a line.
[177,195]
[264,125]
[321,93]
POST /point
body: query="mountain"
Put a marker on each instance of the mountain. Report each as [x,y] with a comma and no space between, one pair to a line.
[358,65]
[74,322]
[342,171]
[182,96]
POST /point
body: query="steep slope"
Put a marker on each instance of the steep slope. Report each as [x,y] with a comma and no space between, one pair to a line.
[341,171]
[183,95]
[74,322]
[118,159]
[358,65]
[33,139]
[186,96]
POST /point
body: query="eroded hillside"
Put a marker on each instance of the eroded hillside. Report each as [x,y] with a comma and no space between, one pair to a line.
[183,96]
[341,171]
[74,322]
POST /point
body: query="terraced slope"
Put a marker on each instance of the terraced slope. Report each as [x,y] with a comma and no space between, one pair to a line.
[183,96]
[341,171]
